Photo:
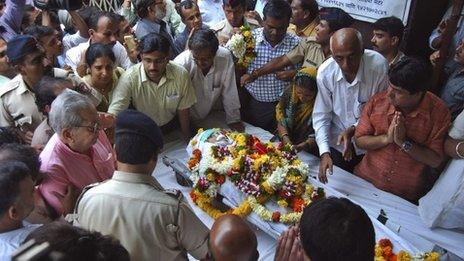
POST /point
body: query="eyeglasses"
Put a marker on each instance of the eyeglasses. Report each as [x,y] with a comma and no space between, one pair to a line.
[92,128]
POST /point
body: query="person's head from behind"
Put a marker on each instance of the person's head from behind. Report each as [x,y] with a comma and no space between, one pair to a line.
[154,50]
[103,28]
[203,44]
[409,81]
[232,239]
[74,118]
[79,244]
[47,37]
[22,153]
[331,19]
[100,60]
[347,50]
[30,15]
[336,229]
[28,58]
[234,10]
[46,91]
[305,84]
[277,15]
[153,10]
[138,141]
[304,11]
[16,194]
[9,135]
[190,14]
[387,34]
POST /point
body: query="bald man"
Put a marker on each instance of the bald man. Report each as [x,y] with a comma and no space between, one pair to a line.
[232,239]
[346,81]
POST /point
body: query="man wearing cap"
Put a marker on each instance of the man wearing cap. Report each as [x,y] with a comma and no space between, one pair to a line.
[150,222]
[17,98]
[312,51]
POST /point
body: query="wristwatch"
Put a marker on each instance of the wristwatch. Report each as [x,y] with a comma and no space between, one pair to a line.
[406,146]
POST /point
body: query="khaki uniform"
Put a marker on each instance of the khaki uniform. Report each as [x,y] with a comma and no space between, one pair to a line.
[151,223]
[224,29]
[307,51]
[17,105]
[309,30]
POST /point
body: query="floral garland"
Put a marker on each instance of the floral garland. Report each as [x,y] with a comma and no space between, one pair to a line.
[384,252]
[242,46]
[260,170]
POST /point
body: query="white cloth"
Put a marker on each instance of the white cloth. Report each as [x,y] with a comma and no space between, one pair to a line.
[73,55]
[259,7]
[339,103]
[10,241]
[216,86]
[211,11]
[457,130]
[72,40]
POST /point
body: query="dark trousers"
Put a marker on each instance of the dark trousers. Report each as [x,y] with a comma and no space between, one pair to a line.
[261,114]
[337,159]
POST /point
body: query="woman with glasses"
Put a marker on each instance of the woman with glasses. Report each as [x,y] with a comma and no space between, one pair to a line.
[78,154]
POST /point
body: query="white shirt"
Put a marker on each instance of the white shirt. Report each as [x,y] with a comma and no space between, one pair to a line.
[457,129]
[211,11]
[73,55]
[339,103]
[259,7]
[219,82]
[10,241]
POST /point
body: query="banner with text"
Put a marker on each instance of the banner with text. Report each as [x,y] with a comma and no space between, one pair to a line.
[371,10]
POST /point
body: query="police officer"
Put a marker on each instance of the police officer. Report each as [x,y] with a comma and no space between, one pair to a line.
[151,223]
[17,98]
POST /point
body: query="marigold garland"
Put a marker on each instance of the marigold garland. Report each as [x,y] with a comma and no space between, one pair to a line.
[384,252]
[242,46]
[260,170]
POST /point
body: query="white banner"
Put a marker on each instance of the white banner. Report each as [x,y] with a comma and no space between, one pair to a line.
[371,10]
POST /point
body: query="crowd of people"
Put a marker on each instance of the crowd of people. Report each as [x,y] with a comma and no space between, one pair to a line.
[89,94]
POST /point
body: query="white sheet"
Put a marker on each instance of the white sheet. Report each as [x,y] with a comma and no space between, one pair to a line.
[404,225]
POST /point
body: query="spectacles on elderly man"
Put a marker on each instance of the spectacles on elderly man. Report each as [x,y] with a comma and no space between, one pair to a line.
[92,128]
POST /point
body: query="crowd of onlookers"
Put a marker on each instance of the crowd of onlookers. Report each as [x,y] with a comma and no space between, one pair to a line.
[88,92]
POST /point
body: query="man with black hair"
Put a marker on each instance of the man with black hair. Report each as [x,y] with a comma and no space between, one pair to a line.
[48,39]
[190,15]
[234,11]
[17,98]
[386,39]
[22,153]
[211,69]
[304,18]
[336,229]
[7,72]
[103,28]
[157,87]
[311,51]
[403,130]
[271,41]
[17,202]
[169,227]
[151,14]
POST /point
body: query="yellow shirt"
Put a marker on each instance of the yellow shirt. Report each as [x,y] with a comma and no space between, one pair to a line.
[307,51]
[17,105]
[160,101]
[151,223]
[309,30]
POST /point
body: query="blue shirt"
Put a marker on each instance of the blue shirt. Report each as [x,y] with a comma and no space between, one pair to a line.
[145,26]
[268,88]
[453,92]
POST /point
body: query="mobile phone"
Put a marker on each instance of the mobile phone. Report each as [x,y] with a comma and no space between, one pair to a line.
[130,42]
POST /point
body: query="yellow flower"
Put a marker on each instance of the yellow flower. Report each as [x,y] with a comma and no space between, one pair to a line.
[267,187]
[282,203]
[403,256]
[246,34]
[432,256]
[210,177]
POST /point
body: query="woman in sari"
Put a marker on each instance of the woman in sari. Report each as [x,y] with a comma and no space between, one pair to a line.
[294,110]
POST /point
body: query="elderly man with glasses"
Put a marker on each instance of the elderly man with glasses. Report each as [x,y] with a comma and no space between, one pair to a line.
[78,154]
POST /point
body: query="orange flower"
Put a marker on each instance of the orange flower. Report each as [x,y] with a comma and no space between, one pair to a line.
[192,163]
[193,196]
[197,153]
[276,216]
[298,204]
[384,242]
[220,179]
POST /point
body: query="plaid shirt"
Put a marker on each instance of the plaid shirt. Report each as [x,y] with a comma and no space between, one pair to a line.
[268,88]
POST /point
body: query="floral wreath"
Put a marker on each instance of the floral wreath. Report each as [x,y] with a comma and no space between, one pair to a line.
[242,46]
[260,170]
[384,252]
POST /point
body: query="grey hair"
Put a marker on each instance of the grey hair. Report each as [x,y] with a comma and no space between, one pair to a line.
[358,36]
[66,109]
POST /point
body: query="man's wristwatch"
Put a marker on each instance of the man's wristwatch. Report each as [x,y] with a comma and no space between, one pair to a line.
[406,146]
